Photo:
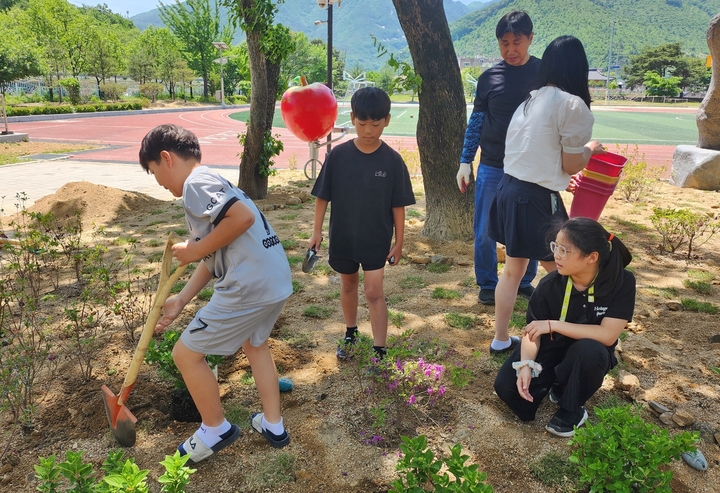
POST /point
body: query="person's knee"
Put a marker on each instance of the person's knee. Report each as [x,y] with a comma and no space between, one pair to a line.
[590,354]
[374,287]
[505,387]
[349,282]
[183,357]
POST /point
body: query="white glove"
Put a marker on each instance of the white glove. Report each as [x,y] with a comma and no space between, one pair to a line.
[463,176]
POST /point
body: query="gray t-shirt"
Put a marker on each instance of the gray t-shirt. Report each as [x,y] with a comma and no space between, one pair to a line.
[253,269]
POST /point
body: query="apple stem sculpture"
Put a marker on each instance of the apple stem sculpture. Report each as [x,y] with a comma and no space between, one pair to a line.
[309,112]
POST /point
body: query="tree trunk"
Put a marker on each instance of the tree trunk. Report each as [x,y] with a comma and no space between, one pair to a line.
[263,82]
[441,119]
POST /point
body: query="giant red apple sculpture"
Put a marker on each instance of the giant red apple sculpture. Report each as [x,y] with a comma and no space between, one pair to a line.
[309,111]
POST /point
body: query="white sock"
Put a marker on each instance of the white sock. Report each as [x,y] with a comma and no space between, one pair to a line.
[274,428]
[499,345]
[210,435]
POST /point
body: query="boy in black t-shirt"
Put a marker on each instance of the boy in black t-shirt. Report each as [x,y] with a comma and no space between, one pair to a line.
[369,187]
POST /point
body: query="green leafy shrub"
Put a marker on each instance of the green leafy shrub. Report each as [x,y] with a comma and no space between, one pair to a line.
[151,90]
[624,453]
[112,90]
[637,180]
[72,87]
[683,226]
[420,471]
[120,476]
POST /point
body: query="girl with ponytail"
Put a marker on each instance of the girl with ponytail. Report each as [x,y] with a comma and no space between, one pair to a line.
[574,319]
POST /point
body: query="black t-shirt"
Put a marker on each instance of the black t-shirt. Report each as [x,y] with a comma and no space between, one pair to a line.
[547,300]
[362,190]
[500,90]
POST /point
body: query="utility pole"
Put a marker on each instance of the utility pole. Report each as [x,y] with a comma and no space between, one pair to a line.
[607,82]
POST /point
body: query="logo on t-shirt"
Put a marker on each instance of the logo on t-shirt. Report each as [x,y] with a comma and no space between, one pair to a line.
[600,310]
[381,174]
[213,201]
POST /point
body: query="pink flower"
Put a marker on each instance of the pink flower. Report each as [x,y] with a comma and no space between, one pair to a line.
[412,399]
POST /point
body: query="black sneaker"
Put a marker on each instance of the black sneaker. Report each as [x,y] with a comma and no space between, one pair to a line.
[514,342]
[564,422]
[341,352]
[487,296]
[526,292]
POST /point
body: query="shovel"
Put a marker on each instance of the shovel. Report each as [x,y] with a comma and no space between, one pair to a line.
[121,420]
[309,261]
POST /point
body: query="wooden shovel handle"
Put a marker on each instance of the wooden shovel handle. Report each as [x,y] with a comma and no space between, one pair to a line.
[165,284]
[9,241]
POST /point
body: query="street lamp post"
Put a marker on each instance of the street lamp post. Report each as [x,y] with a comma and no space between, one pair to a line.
[221,46]
[607,82]
[329,5]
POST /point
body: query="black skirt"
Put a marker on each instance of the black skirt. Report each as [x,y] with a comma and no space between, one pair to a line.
[521,217]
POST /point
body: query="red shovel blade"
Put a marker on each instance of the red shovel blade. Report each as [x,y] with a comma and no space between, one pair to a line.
[122,421]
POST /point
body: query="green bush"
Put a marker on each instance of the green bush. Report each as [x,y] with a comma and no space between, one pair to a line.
[624,453]
[86,108]
[72,87]
[420,471]
[120,474]
[683,226]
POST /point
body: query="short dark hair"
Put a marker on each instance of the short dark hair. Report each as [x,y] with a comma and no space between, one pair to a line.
[370,103]
[171,138]
[565,65]
[589,236]
[517,22]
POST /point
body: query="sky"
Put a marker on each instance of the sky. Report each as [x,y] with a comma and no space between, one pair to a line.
[121,7]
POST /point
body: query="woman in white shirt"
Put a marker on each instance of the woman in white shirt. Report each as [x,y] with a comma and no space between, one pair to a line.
[547,142]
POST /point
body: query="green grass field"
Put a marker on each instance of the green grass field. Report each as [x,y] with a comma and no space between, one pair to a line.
[611,127]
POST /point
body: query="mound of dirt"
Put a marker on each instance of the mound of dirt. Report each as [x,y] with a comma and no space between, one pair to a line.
[97,205]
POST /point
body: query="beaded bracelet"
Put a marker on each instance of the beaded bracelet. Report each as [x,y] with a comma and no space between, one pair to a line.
[536,368]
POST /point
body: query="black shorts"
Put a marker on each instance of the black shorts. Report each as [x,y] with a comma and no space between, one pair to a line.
[521,216]
[348,266]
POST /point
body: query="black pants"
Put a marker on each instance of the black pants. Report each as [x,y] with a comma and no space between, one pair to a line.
[576,368]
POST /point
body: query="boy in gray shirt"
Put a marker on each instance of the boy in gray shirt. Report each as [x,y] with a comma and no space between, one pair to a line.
[236,245]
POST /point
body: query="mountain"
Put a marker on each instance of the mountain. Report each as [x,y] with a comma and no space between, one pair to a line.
[637,24]
[353,24]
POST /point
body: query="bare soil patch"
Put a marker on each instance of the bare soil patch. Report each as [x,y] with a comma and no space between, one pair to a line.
[668,350]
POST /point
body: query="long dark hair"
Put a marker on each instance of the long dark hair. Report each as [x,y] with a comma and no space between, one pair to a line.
[564,64]
[589,236]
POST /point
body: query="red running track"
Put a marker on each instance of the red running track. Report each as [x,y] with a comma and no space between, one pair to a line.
[218,135]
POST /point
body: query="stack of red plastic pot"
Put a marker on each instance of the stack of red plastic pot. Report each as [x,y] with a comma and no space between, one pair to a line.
[595,184]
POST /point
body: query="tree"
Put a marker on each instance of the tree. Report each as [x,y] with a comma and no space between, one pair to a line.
[44,20]
[143,57]
[656,85]
[441,118]
[237,68]
[196,24]
[468,74]
[268,45]
[665,60]
[19,58]
[105,55]
[169,60]
[309,58]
